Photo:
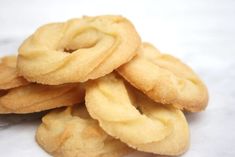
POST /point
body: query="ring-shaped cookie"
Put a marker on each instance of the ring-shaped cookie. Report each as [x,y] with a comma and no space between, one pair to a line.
[128,115]
[165,79]
[71,132]
[77,50]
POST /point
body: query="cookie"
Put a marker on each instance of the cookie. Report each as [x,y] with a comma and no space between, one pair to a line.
[77,50]
[165,79]
[71,132]
[35,98]
[128,115]
[9,77]
[20,96]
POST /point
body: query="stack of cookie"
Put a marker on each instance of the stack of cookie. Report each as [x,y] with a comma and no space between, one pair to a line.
[113,93]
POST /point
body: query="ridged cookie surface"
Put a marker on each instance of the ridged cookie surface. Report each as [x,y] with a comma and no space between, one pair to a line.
[71,132]
[165,79]
[35,98]
[77,50]
[128,115]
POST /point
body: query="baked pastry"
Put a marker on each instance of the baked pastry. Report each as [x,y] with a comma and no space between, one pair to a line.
[20,96]
[165,79]
[9,77]
[71,132]
[77,50]
[35,97]
[123,112]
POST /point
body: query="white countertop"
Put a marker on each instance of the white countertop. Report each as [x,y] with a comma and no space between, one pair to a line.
[201,33]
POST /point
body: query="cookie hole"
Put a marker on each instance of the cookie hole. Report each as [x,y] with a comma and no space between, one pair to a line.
[3,92]
[139,109]
[80,46]
[82,40]
[69,50]
[79,111]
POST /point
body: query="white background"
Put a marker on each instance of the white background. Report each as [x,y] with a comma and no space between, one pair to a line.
[201,33]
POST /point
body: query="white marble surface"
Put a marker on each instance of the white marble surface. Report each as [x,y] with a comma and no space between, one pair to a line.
[202,33]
